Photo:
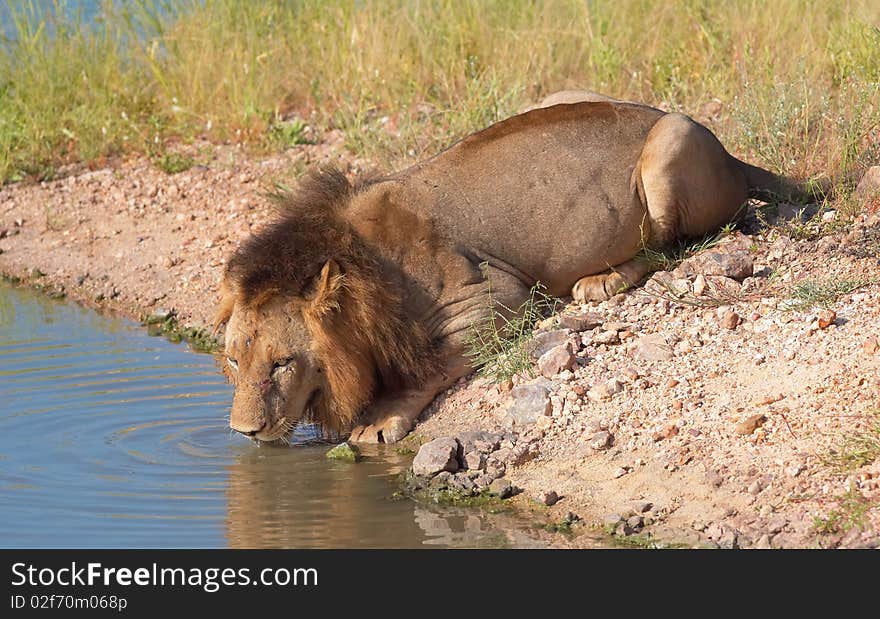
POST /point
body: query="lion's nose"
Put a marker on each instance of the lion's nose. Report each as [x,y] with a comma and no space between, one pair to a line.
[248,429]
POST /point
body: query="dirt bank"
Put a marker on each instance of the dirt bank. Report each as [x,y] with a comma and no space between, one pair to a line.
[726,417]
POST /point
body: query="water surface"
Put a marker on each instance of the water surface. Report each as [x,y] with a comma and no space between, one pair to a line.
[112,438]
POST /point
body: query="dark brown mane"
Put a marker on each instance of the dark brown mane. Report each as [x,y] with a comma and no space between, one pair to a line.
[359,328]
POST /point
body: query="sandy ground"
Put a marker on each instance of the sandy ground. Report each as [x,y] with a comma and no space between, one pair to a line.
[681,463]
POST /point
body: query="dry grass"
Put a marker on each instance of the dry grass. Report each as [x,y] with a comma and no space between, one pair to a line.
[403,78]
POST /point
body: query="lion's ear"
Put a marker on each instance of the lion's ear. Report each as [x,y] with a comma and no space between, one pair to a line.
[224,309]
[323,294]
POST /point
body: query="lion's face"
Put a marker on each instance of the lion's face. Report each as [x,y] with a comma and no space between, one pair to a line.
[277,378]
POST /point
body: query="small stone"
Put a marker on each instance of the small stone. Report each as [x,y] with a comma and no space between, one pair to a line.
[529,403]
[580,322]
[776,525]
[826,318]
[763,542]
[439,455]
[475,461]
[635,522]
[653,347]
[640,507]
[631,374]
[605,391]
[542,342]
[870,346]
[547,498]
[755,487]
[612,520]
[502,488]
[700,285]
[605,337]
[555,360]
[730,320]
[619,472]
[668,431]
[736,264]
[795,470]
[601,440]
[344,451]
[750,424]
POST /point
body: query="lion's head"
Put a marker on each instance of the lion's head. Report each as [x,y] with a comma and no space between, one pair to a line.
[314,328]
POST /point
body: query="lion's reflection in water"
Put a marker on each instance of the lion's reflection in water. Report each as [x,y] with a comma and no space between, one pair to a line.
[296,498]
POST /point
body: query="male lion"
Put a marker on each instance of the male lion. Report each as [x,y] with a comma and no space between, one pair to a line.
[352,309]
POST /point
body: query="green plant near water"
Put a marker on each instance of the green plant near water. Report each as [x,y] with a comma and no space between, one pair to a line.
[200,340]
[498,345]
[811,293]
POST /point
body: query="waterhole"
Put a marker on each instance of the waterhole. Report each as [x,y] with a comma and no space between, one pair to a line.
[111,438]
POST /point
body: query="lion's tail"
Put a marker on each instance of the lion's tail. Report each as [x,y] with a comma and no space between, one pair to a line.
[769,187]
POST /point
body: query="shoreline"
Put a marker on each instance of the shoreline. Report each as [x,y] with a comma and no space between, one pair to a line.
[137,242]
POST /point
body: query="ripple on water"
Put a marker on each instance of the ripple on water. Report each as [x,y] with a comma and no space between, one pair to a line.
[111,438]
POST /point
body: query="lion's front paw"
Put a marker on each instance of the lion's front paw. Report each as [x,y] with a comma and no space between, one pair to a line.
[388,430]
[598,287]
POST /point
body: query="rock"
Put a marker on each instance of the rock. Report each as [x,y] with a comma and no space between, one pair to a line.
[871,345]
[605,337]
[601,440]
[653,347]
[700,285]
[668,431]
[605,391]
[542,342]
[612,520]
[750,424]
[640,507]
[548,498]
[826,318]
[763,542]
[869,187]
[529,403]
[580,322]
[479,440]
[502,488]
[736,264]
[439,455]
[345,452]
[776,525]
[730,320]
[475,461]
[636,523]
[555,360]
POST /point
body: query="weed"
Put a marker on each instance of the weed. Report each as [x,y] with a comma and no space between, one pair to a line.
[808,294]
[200,340]
[851,511]
[858,449]
[173,163]
[497,346]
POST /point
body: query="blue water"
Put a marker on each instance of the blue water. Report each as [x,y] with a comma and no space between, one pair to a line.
[112,438]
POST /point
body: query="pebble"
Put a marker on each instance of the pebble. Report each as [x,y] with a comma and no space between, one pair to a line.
[750,424]
[601,440]
[529,403]
[555,360]
[580,322]
[605,391]
[548,498]
[437,456]
[502,488]
[653,347]
[730,320]
[826,318]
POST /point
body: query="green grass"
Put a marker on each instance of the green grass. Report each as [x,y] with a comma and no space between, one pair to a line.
[498,346]
[811,293]
[857,449]
[851,512]
[173,163]
[799,80]
[668,258]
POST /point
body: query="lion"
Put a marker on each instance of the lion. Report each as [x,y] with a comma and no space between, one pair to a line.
[353,308]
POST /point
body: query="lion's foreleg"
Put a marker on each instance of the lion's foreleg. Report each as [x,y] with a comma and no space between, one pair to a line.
[390,418]
[605,285]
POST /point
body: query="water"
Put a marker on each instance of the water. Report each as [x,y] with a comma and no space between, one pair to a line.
[111,438]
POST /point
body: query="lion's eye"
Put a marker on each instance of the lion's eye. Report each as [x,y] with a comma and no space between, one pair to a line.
[232,363]
[283,363]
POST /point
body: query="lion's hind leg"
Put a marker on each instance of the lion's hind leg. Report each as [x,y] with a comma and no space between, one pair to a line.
[605,285]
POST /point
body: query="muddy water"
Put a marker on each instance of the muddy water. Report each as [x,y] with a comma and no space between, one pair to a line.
[112,438]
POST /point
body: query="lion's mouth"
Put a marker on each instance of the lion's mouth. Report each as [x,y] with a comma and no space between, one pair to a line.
[279,432]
